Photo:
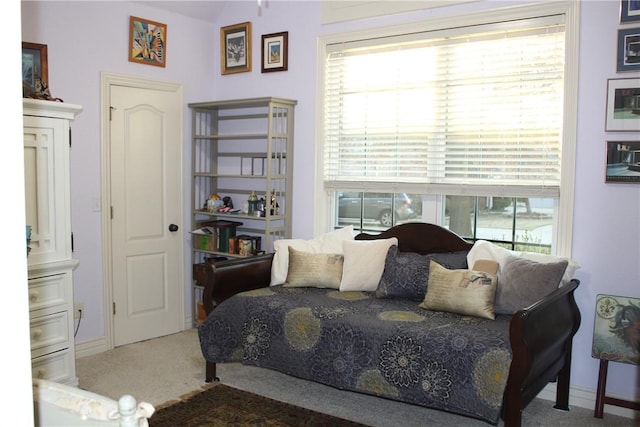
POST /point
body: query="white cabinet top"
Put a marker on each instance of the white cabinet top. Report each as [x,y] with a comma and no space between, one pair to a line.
[40,107]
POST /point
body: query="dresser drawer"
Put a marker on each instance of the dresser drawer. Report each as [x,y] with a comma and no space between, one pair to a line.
[56,367]
[49,333]
[48,291]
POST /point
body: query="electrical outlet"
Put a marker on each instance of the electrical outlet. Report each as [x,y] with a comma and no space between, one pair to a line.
[78,307]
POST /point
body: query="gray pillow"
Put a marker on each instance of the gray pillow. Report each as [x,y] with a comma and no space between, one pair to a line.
[406,274]
[522,282]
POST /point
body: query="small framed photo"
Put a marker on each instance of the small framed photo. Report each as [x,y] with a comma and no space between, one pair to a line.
[629,11]
[628,49]
[34,67]
[623,105]
[235,48]
[623,161]
[147,42]
[275,52]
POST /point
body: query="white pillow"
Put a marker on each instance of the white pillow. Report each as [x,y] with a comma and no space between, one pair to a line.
[364,263]
[486,250]
[328,243]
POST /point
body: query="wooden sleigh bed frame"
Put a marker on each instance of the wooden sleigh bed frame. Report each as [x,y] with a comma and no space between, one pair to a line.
[541,335]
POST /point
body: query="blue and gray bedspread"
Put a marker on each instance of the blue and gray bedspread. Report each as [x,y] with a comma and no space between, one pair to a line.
[355,341]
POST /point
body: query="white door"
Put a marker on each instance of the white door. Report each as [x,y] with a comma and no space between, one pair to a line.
[146,210]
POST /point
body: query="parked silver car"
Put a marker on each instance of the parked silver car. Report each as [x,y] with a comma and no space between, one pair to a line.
[377,206]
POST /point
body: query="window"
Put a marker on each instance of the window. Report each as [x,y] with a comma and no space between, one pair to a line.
[469,121]
[373,211]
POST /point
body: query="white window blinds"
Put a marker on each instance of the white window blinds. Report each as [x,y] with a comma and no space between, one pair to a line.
[475,110]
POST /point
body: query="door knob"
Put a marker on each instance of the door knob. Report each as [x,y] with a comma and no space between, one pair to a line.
[173,228]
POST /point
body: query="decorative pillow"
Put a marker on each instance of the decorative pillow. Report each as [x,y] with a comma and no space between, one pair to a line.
[311,270]
[572,266]
[522,282]
[452,260]
[465,292]
[364,263]
[486,250]
[329,243]
[486,265]
[405,275]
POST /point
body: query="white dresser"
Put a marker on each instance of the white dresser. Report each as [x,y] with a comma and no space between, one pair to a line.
[48,211]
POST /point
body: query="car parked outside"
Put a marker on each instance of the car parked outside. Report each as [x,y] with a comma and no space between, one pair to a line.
[377,207]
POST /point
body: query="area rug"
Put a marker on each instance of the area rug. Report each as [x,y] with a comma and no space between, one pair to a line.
[221,406]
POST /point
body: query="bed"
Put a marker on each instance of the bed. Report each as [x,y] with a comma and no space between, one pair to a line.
[391,347]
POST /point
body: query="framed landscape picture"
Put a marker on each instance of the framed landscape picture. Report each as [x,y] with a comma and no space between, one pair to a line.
[623,105]
[34,66]
[629,11]
[147,42]
[628,49]
[235,48]
[623,161]
[275,52]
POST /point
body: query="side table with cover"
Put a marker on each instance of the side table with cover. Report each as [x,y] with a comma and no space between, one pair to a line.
[616,338]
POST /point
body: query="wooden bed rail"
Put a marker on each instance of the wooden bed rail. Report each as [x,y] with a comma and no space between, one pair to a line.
[541,338]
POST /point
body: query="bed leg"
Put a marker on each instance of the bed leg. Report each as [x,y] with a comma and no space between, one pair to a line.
[563,384]
[210,373]
[512,416]
[512,405]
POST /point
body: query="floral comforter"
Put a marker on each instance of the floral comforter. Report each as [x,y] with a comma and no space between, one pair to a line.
[355,341]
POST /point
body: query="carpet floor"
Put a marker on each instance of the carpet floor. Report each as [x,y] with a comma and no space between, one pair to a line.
[168,369]
[222,405]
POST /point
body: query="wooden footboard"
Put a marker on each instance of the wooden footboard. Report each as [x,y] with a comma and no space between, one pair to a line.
[227,278]
[541,339]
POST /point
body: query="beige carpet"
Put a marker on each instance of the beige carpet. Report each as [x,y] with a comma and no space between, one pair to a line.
[164,369]
[155,371]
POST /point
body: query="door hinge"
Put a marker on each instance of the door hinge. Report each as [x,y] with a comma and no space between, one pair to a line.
[114,308]
[69,137]
[111,112]
[111,209]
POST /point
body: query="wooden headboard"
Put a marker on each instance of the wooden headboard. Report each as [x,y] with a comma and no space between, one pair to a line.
[421,237]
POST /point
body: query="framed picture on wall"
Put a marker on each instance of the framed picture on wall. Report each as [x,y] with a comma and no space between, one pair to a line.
[275,52]
[34,67]
[629,11]
[623,105]
[147,42]
[623,161]
[628,49]
[235,48]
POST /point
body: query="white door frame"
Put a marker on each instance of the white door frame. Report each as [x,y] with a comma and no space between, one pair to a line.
[107,80]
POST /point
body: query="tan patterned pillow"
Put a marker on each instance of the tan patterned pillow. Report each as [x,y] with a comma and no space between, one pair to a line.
[307,269]
[460,291]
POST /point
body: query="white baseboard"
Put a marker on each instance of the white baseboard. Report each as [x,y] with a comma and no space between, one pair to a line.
[585,398]
[98,345]
[188,323]
[91,347]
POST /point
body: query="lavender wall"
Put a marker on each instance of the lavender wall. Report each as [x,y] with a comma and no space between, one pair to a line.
[85,38]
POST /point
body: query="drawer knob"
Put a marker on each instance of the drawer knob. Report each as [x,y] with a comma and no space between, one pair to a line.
[41,373]
[36,334]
